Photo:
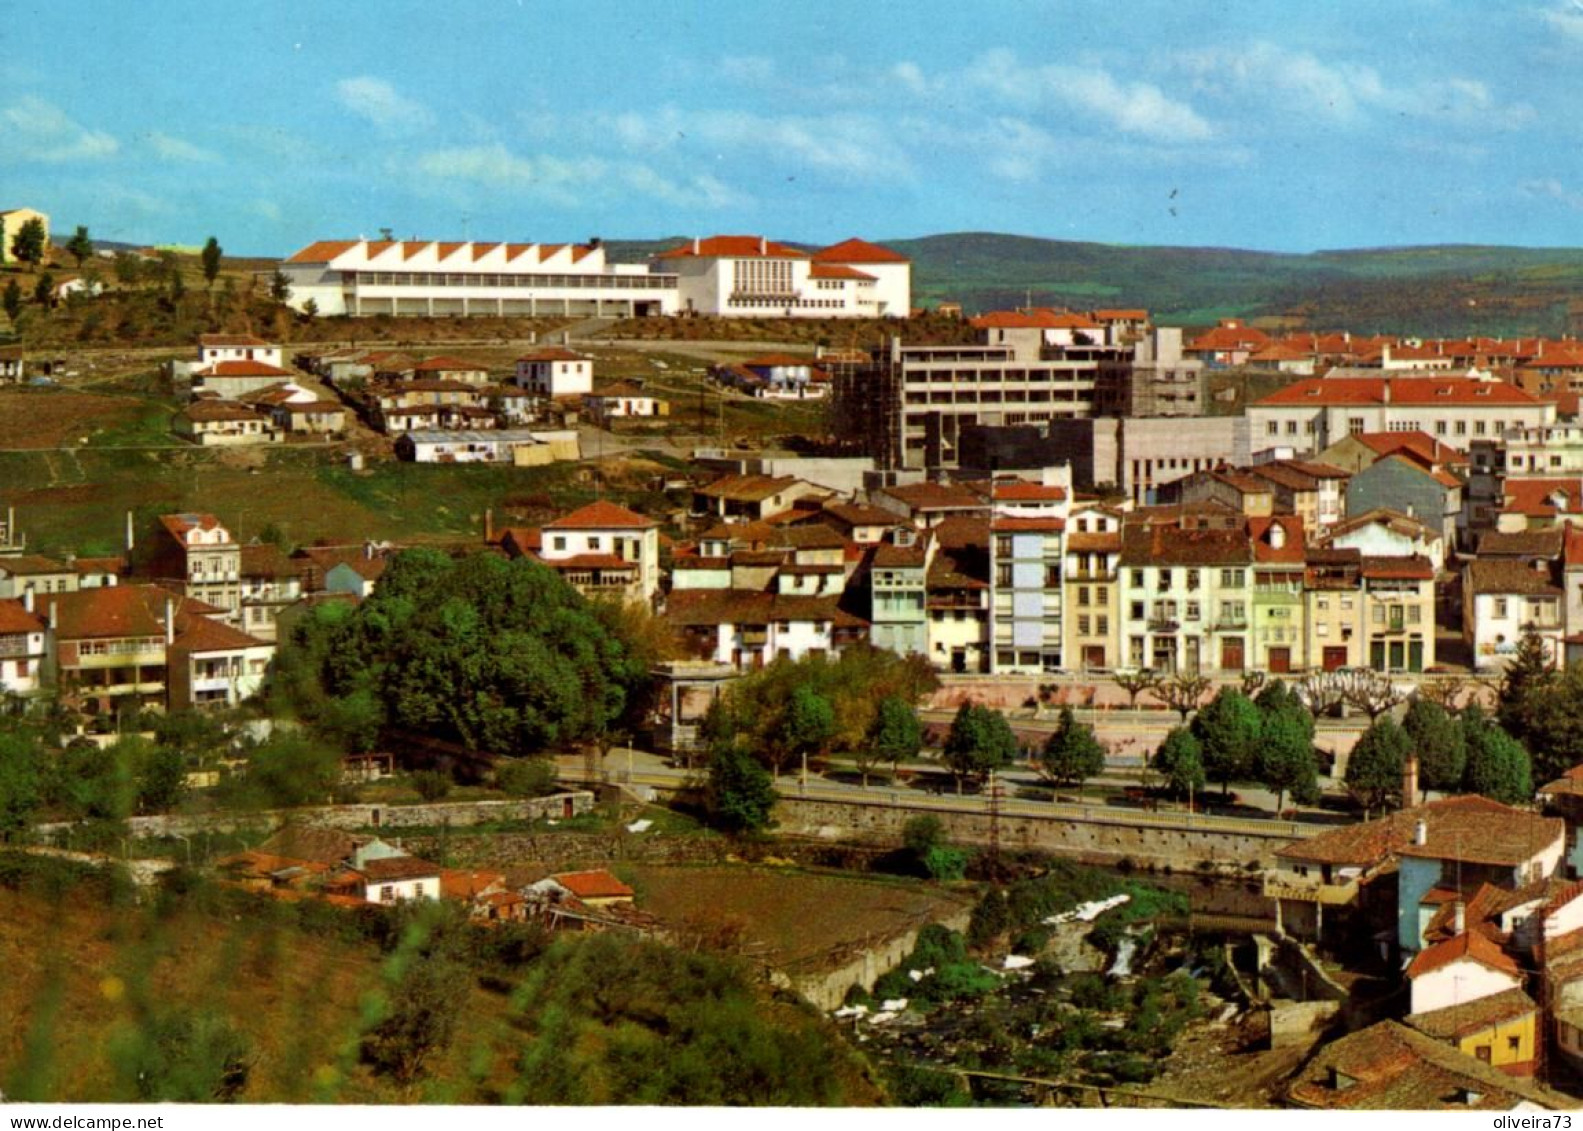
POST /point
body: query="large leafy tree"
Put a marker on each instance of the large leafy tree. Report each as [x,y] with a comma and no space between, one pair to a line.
[979,742]
[1543,709]
[1285,757]
[1497,764]
[30,242]
[896,735]
[1072,754]
[22,784]
[809,724]
[497,655]
[740,794]
[1437,739]
[1228,731]
[1181,759]
[1374,769]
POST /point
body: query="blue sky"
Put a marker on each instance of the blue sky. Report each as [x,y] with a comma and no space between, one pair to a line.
[1275,125]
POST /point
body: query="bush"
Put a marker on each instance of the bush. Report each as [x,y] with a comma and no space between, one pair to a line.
[525,777]
[432,785]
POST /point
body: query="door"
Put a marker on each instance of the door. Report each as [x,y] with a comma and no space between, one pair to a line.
[1280,661]
[1193,658]
[1093,655]
[1335,657]
[1231,654]
[1377,655]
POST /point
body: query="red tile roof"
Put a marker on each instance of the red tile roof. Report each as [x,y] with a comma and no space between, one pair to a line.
[733,247]
[602,515]
[242,368]
[1469,945]
[16,620]
[323,251]
[858,251]
[838,271]
[1039,318]
[594,884]
[1416,391]
[1019,490]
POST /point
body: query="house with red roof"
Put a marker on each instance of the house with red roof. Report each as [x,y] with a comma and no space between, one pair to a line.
[23,647]
[606,549]
[755,277]
[234,379]
[624,402]
[214,348]
[555,372]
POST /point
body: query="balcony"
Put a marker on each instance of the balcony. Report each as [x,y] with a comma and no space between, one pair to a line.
[1224,623]
[1308,889]
[1163,624]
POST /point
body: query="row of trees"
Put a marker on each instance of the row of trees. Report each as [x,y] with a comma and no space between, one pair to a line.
[1268,739]
[1465,753]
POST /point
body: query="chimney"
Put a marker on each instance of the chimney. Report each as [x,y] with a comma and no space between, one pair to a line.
[170,622]
[1385,389]
[1459,918]
[129,538]
[27,599]
[764,246]
[1421,833]
[1410,781]
[695,245]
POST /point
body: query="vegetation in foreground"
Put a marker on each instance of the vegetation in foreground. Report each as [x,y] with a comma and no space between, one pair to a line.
[203,994]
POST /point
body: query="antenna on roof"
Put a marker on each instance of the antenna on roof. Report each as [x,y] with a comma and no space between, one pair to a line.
[387,234]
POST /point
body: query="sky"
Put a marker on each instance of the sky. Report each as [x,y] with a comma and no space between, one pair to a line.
[1273,125]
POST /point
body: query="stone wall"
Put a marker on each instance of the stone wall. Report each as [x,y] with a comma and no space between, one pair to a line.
[827,990]
[457,814]
[1095,835]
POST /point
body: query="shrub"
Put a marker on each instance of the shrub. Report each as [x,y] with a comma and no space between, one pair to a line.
[432,785]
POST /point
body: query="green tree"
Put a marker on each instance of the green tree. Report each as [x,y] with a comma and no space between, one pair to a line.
[12,300]
[1228,732]
[896,735]
[979,742]
[1438,741]
[432,785]
[128,269]
[80,247]
[1072,753]
[526,777]
[809,723]
[160,778]
[1135,683]
[210,257]
[98,785]
[1180,757]
[1284,758]
[1374,769]
[740,795]
[280,287]
[426,1000]
[289,770]
[44,290]
[924,839]
[1497,764]
[22,783]
[1182,691]
[30,242]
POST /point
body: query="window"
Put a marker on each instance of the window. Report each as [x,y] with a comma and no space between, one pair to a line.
[1137,579]
[1137,610]
[1193,610]
[1165,579]
[1291,427]
[1500,607]
[1273,428]
[1233,578]
[559,542]
[1461,427]
[1192,580]
[1003,575]
[1102,625]
[1440,428]
[387,893]
[1379,614]
[1052,575]
[1102,595]
[1354,425]
[1083,625]
[1478,427]
[1003,546]
[595,543]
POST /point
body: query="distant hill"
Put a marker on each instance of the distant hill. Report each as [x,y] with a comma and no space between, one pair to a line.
[1434,291]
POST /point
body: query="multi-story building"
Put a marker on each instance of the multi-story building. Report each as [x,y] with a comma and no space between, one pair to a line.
[23,648]
[1185,595]
[1091,597]
[1279,632]
[1505,599]
[199,553]
[1027,530]
[609,540]
[898,580]
[753,277]
[1375,612]
[910,405]
[504,280]
[958,595]
[1312,414]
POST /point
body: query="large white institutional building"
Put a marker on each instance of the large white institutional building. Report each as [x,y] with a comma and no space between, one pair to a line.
[731,276]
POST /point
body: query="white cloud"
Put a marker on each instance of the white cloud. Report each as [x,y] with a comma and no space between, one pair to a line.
[1265,76]
[574,181]
[1549,188]
[176,149]
[748,68]
[850,145]
[1566,18]
[379,102]
[909,76]
[34,129]
[1132,107]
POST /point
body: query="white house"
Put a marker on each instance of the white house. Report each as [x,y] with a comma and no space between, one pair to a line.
[214,348]
[393,879]
[556,373]
[1459,970]
[604,529]
[23,647]
[624,402]
[754,277]
[1503,599]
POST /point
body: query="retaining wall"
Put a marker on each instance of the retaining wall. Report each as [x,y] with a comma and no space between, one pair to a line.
[827,990]
[1142,838]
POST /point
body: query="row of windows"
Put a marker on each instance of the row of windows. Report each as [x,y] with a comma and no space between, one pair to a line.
[546,282]
[1192,578]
